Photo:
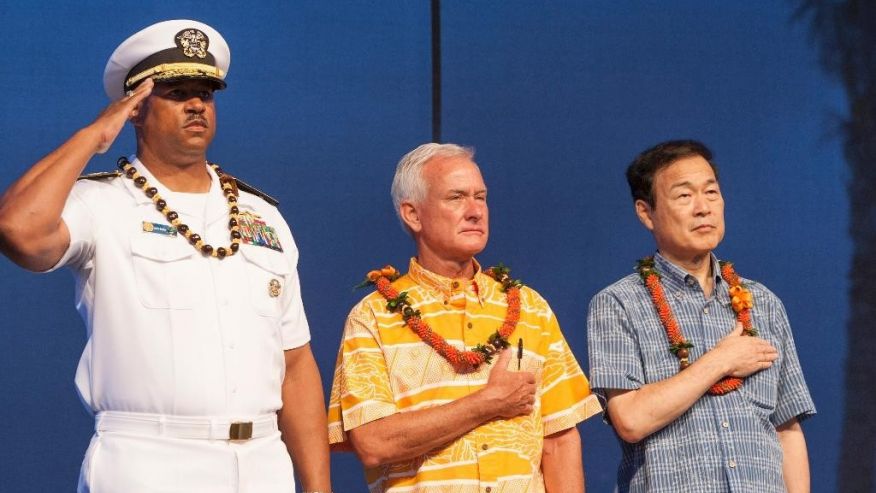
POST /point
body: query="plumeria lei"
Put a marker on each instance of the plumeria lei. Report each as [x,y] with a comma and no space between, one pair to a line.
[462,361]
[741,301]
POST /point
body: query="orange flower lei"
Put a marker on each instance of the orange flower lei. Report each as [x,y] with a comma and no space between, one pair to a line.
[740,299]
[462,361]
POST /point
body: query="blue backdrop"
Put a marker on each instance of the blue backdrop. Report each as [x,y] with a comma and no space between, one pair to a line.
[557,97]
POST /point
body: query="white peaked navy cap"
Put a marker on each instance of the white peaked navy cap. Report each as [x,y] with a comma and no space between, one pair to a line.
[167,51]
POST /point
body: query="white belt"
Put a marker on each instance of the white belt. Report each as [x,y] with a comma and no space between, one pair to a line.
[196,427]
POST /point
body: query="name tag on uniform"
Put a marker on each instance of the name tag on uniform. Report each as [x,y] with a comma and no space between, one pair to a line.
[254,231]
[158,228]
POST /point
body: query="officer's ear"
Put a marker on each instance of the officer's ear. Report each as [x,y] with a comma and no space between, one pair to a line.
[138,114]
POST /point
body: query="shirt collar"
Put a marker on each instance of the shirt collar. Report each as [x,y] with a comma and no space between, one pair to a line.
[132,187]
[674,276]
[446,286]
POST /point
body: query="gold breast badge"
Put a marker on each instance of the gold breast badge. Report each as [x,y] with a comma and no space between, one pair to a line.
[274,288]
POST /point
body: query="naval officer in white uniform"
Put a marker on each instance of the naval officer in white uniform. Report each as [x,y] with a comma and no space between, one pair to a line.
[198,366]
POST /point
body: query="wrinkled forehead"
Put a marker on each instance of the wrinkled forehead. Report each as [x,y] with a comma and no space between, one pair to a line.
[692,169]
[453,172]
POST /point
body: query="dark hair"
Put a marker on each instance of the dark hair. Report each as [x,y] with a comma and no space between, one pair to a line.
[640,173]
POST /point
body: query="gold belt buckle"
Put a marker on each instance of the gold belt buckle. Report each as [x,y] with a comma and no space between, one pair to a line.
[241,430]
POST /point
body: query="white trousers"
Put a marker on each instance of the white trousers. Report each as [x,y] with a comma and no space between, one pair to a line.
[127,463]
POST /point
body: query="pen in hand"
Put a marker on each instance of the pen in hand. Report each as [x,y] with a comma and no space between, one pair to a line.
[519,352]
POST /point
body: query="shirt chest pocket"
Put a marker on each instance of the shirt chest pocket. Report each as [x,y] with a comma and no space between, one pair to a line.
[266,272]
[165,271]
[658,362]
[762,388]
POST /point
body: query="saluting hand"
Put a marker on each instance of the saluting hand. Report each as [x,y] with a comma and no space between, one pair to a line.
[112,119]
[509,393]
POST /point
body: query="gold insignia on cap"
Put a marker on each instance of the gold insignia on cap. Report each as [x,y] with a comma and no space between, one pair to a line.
[193,42]
[274,288]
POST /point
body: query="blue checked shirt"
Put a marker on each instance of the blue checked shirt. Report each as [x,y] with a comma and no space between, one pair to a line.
[722,443]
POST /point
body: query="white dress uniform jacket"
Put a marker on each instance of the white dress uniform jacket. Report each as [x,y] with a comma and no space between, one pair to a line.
[176,337]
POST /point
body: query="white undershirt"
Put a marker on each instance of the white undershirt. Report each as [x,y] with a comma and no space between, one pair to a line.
[194,204]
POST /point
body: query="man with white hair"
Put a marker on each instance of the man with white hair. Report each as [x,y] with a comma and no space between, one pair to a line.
[426,389]
[195,353]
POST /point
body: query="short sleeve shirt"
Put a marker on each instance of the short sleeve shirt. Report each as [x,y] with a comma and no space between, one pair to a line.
[171,331]
[384,368]
[722,443]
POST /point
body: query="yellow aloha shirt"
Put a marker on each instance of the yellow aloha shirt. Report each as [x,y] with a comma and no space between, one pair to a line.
[384,368]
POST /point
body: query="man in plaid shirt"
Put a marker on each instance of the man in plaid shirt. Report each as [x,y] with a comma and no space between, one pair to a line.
[684,422]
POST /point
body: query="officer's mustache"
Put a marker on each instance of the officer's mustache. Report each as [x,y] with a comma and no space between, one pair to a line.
[195,118]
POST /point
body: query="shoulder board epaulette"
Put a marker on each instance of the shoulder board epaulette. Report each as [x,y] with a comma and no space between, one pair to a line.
[246,187]
[102,175]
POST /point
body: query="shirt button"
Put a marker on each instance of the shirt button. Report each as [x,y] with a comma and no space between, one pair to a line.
[485,446]
[469,325]
[488,489]
[691,281]
[725,424]
[731,463]
[445,302]
[454,284]
[706,310]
